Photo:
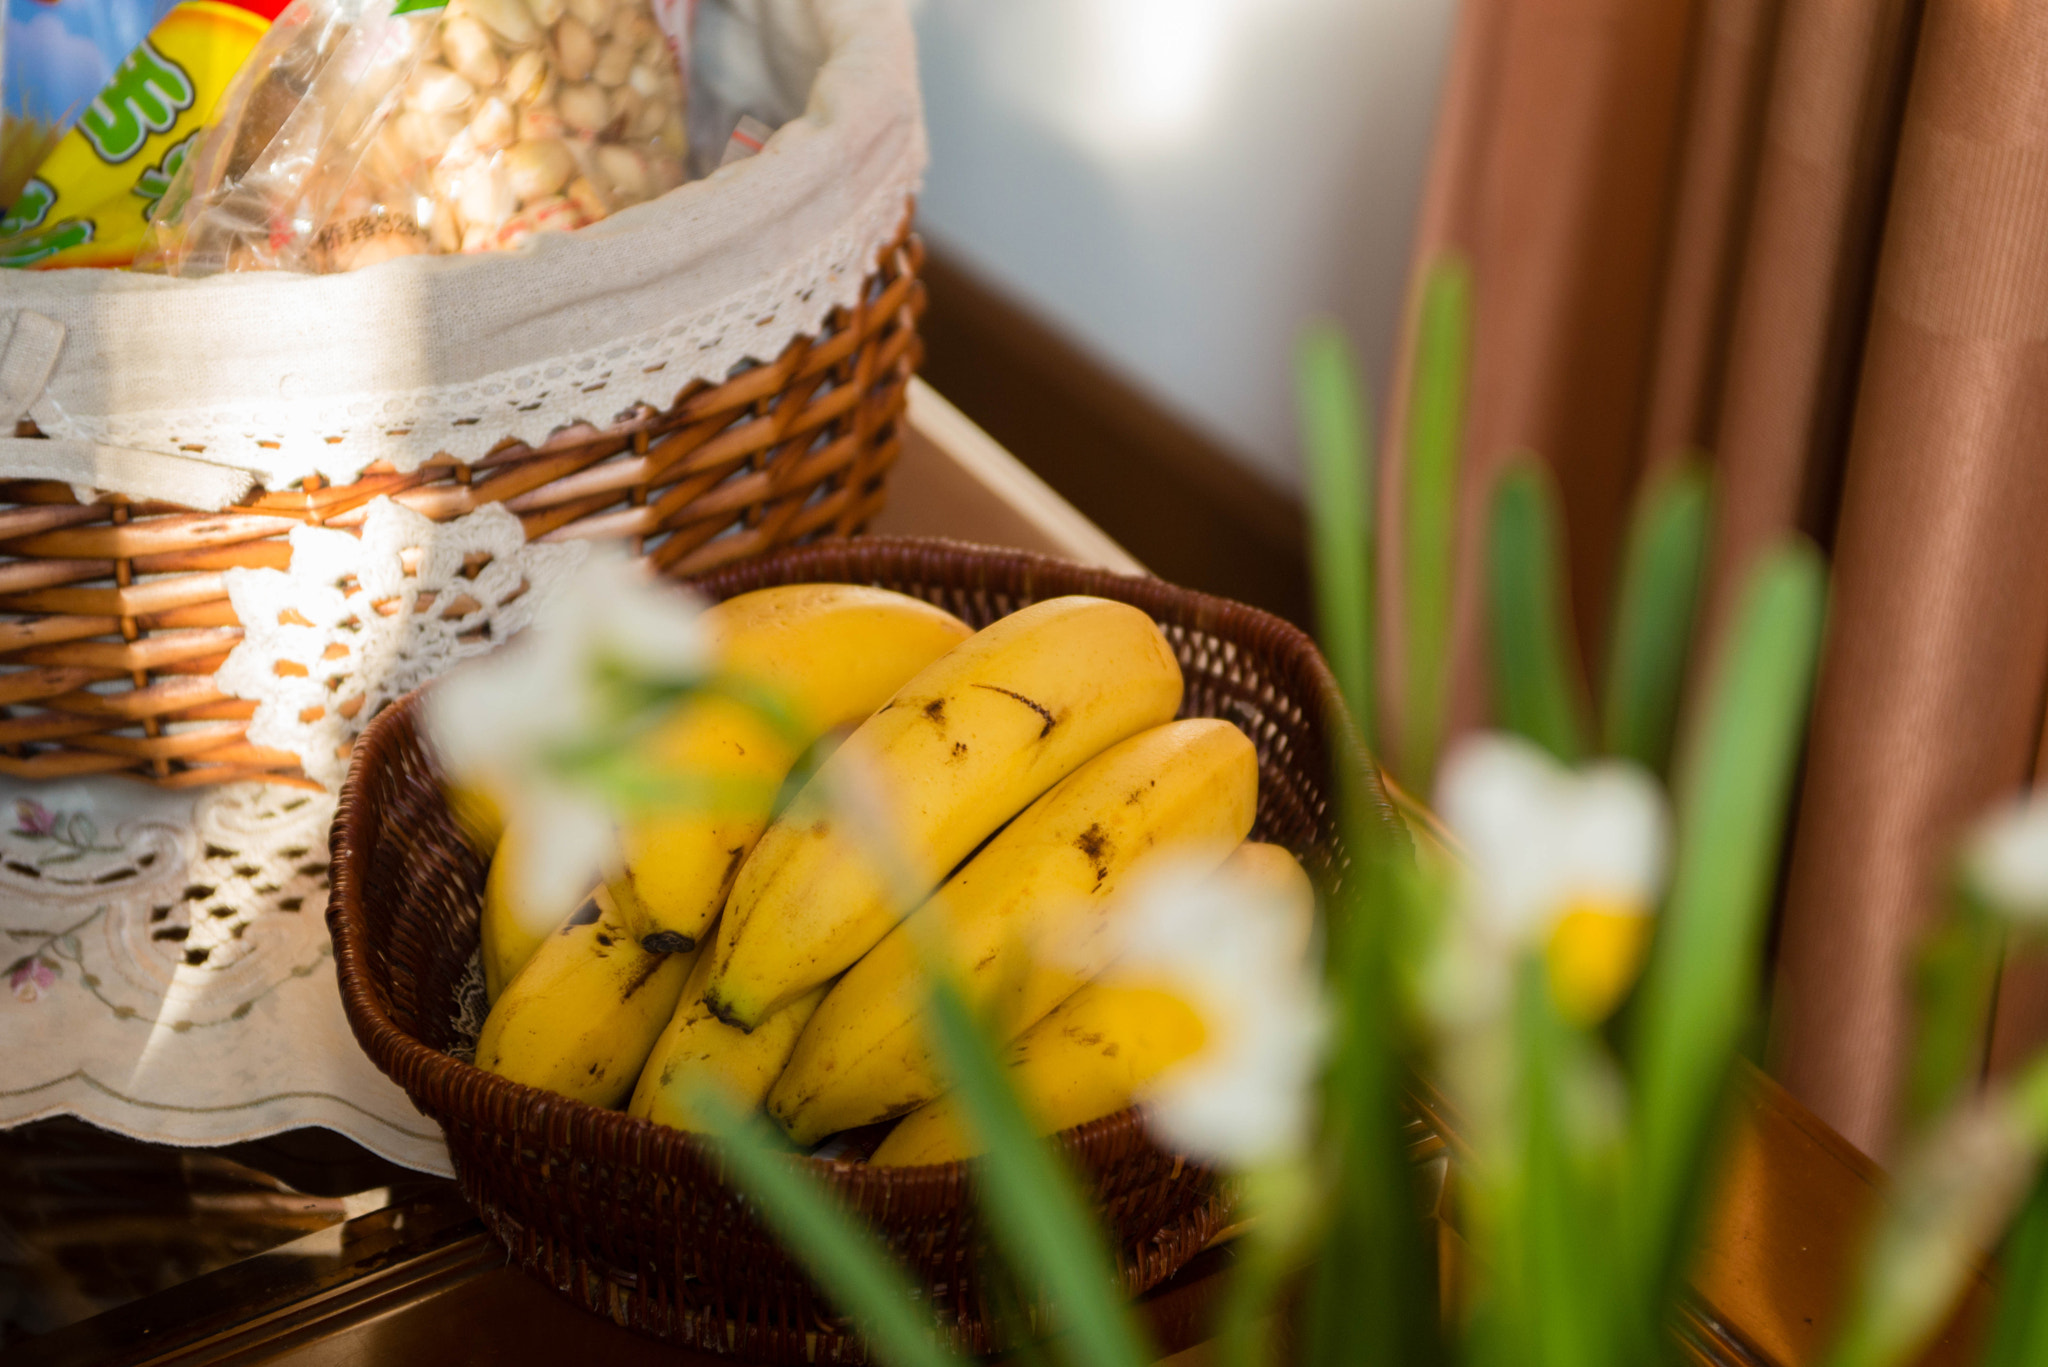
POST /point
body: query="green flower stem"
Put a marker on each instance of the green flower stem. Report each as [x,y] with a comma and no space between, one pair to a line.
[1283,1205]
[1338,457]
[1700,992]
[1536,682]
[1954,980]
[2019,1329]
[1436,421]
[1034,1209]
[1653,619]
[1372,1297]
[855,1270]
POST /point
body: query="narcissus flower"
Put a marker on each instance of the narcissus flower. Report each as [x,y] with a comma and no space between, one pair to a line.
[512,725]
[2006,861]
[1233,950]
[1566,862]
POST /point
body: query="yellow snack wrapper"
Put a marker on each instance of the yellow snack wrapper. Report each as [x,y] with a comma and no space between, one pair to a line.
[89,203]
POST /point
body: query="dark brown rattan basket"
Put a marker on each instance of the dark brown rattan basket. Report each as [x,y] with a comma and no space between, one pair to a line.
[116,614]
[634,1220]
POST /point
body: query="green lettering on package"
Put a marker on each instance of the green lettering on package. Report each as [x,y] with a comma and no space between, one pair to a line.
[146,96]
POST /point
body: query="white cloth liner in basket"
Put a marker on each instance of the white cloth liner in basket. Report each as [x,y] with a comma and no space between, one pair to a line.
[149,386]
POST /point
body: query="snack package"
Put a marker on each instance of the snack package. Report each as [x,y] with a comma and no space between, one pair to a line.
[54,56]
[89,202]
[366,129]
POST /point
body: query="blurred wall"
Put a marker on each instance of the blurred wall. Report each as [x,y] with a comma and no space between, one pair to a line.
[1177,184]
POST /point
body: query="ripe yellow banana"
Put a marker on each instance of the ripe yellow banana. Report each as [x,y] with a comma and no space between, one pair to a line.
[959,750]
[478,815]
[1042,889]
[698,1049]
[582,1015]
[1084,1061]
[511,926]
[1093,1054]
[831,654]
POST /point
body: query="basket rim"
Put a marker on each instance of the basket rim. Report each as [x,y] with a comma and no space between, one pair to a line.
[431,1077]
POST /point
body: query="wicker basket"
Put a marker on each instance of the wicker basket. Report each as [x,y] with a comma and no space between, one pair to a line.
[119,614]
[633,1220]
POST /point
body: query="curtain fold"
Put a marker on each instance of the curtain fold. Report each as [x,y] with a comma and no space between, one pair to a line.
[1811,238]
[1556,152]
[1802,299]
[1930,692]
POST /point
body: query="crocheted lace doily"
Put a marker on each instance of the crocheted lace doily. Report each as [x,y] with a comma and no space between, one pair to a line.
[169,974]
[287,375]
[358,621]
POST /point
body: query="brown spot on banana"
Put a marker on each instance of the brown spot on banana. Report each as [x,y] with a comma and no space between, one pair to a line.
[1040,708]
[718,1007]
[582,916]
[647,970]
[667,942]
[935,711]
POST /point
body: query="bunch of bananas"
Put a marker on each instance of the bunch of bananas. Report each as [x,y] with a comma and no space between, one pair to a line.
[989,795]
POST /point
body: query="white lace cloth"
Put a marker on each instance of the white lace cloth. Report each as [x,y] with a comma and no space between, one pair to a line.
[169,974]
[358,621]
[167,954]
[288,375]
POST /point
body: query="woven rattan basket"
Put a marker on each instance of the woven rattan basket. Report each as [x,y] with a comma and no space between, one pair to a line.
[633,1220]
[118,616]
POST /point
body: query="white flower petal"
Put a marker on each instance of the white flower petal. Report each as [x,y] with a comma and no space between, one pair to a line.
[1539,836]
[570,839]
[1614,837]
[628,617]
[1224,945]
[2006,860]
[1499,794]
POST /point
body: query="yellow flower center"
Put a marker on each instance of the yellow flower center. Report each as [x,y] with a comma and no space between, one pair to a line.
[1594,954]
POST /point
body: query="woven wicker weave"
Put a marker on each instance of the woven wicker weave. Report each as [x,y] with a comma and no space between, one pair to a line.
[117,615]
[632,1219]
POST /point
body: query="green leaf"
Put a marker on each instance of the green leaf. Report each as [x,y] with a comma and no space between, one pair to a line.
[853,1267]
[1700,991]
[1282,1208]
[1034,1209]
[1561,1224]
[1954,980]
[2019,1331]
[1653,619]
[1338,456]
[1372,1298]
[1536,683]
[1436,421]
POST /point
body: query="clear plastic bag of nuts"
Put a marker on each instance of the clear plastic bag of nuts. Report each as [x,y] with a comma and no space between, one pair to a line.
[361,130]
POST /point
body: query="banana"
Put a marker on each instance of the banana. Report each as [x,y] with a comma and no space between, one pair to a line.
[582,1015]
[832,654]
[1093,1054]
[478,815]
[697,1049]
[1186,791]
[1084,1061]
[512,927]
[959,750]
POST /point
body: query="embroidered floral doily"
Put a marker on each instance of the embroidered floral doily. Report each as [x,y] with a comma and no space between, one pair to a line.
[167,954]
[169,974]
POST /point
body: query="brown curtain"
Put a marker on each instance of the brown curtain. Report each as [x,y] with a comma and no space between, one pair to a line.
[1810,238]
